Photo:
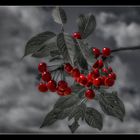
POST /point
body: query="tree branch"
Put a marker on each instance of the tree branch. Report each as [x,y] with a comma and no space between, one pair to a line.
[126,48]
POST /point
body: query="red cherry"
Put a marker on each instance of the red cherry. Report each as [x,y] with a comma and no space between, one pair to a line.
[104,70]
[42,87]
[112,76]
[109,82]
[96,64]
[76,35]
[67,91]
[97,82]
[106,52]
[103,80]
[61,93]
[62,85]
[52,85]
[89,83]
[75,72]
[46,76]
[100,64]
[96,73]
[42,67]
[90,94]
[68,67]
[110,69]
[90,76]
[96,52]
[82,80]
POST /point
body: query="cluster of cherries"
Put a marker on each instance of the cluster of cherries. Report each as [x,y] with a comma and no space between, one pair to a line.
[61,88]
[98,76]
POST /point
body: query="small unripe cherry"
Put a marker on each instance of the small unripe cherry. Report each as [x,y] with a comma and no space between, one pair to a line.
[76,35]
[42,87]
[42,67]
[75,72]
[96,52]
[62,84]
[106,52]
[90,94]
[46,76]
[97,82]
[68,67]
[109,82]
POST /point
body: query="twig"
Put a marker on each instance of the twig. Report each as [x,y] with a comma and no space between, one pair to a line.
[125,49]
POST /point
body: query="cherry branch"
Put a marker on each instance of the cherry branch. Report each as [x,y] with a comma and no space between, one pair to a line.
[125,49]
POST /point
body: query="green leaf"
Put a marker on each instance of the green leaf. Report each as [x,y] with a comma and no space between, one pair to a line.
[37,42]
[86,52]
[93,118]
[54,53]
[78,112]
[59,15]
[80,59]
[73,127]
[66,47]
[51,118]
[86,24]
[64,113]
[66,101]
[112,105]
[48,47]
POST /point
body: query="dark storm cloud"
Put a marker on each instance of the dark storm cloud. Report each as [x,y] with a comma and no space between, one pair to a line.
[22,108]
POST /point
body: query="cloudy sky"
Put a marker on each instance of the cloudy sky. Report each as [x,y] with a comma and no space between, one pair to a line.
[22,107]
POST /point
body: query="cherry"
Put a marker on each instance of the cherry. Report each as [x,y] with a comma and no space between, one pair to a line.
[96,73]
[100,64]
[52,85]
[103,80]
[61,93]
[97,82]
[75,72]
[82,80]
[96,52]
[109,82]
[89,83]
[110,69]
[62,85]
[67,91]
[68,67]
[96,64]
[42,67]
[76,35]
[106,52]
[46,76]
[42,87]
[90,94]
[105,70]
[112,76]
[90,76]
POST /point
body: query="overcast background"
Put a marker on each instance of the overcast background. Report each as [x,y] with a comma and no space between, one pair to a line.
[23,108]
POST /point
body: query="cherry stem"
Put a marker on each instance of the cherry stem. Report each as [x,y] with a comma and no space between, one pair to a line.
[125,49]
